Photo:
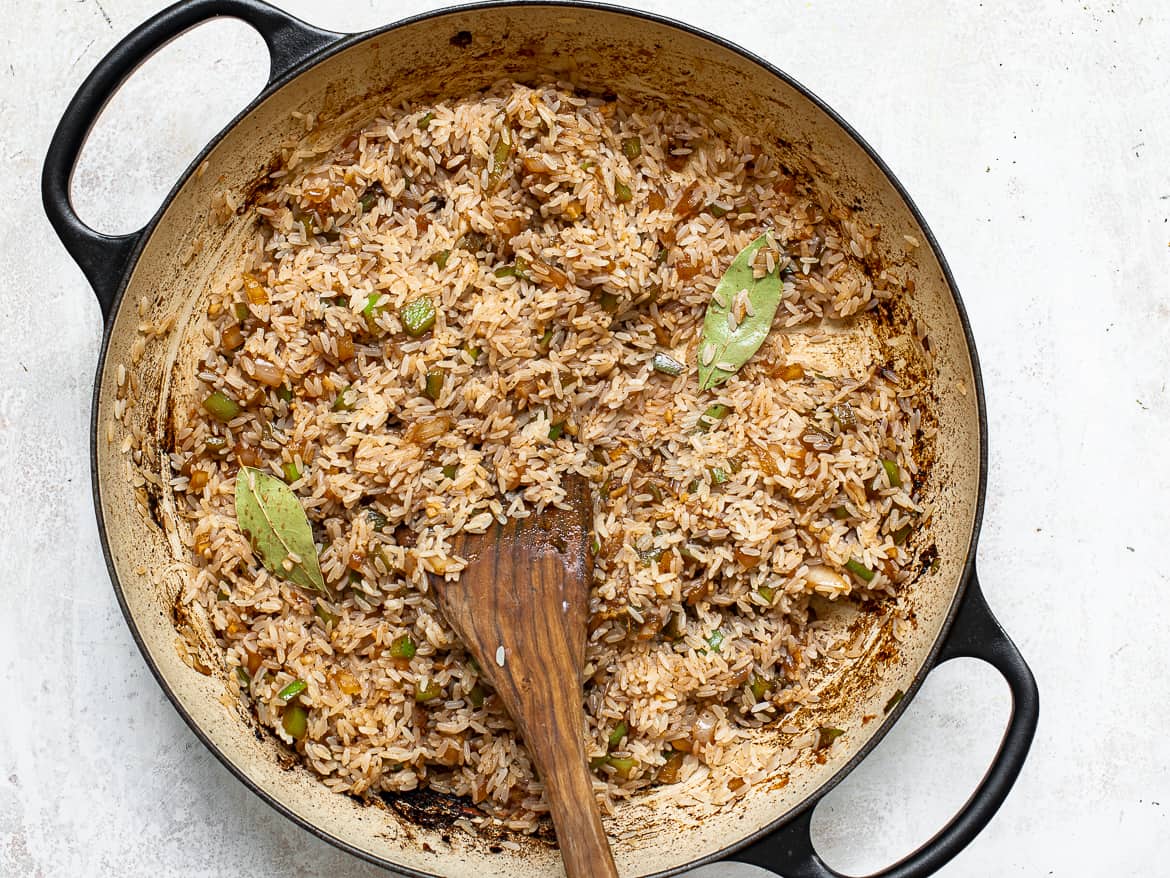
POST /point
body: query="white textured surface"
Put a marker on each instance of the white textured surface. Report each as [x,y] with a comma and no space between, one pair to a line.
[1035,139]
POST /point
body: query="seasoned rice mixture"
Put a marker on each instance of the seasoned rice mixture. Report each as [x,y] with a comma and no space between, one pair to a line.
[454,308]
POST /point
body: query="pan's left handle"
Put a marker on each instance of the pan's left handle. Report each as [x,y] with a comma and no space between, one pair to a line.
[789,850]
[104,258]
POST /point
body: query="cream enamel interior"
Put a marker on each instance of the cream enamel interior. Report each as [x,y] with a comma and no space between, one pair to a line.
[602,50]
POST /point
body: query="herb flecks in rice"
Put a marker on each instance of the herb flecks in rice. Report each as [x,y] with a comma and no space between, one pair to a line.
[548,293]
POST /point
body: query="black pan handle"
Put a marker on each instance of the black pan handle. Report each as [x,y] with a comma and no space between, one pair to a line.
[789,850]
[104,258]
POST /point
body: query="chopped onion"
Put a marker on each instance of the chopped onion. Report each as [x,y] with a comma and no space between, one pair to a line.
[705,727]
[827,582]
[267,373]
[428,429]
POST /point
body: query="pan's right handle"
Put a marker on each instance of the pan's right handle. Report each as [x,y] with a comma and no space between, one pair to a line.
[104,258]
[789,851]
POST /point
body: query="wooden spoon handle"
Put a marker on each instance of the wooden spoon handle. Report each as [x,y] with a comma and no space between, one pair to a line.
[555,737]
[543,694]
[584,848]
[520,606]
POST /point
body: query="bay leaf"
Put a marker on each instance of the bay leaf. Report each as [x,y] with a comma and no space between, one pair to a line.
[719,344]
[274,521]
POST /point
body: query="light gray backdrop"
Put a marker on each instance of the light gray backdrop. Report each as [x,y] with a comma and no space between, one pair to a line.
[1035,138]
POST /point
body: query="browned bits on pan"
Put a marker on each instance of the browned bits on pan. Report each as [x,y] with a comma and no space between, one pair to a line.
[687,270]
[655,201]
[345,349]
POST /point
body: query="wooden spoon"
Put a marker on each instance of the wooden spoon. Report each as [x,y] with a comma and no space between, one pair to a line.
[521,607]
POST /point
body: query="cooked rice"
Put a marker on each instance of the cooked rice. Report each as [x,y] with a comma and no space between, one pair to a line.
[700,527]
